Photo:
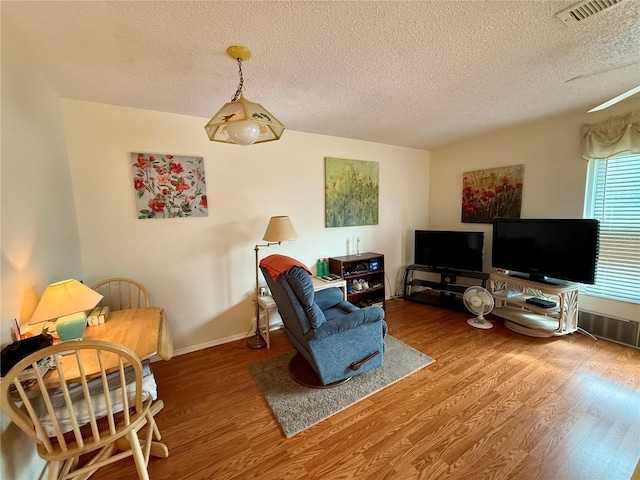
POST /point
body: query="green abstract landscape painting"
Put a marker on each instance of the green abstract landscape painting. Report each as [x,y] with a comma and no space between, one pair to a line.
[351,192]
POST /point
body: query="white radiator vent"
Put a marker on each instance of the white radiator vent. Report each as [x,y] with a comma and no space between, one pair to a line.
[620,331]
[583,10]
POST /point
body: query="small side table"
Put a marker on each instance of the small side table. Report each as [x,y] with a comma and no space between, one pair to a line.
[319,284]
[266,303]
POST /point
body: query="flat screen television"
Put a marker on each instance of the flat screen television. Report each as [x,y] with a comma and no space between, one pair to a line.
[546,250]
[449,250]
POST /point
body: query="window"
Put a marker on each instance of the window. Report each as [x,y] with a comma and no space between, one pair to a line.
[613,197]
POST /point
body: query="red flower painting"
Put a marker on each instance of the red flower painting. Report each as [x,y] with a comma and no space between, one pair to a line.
[492,193]
[168,186]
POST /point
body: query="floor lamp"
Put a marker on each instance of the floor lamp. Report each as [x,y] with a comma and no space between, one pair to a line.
[280,229]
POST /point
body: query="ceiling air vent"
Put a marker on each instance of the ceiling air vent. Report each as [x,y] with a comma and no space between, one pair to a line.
[583,10]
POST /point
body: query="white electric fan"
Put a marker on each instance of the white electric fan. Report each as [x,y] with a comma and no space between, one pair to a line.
[478,300]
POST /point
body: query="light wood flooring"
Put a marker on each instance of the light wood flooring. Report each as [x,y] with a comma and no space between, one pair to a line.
[494,405]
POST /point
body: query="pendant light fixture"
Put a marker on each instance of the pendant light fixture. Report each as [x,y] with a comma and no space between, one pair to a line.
[241,121]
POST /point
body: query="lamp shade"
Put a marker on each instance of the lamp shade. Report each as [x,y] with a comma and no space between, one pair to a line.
[280,229]
[63,298]
[244,123]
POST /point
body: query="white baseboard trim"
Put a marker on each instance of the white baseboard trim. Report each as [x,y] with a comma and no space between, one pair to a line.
[214,343]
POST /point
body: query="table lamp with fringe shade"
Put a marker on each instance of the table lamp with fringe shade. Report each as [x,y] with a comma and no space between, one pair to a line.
[279,229]
[66,303]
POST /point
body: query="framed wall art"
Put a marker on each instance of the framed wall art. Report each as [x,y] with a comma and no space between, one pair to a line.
[351,192]
[492,193]
[169,186]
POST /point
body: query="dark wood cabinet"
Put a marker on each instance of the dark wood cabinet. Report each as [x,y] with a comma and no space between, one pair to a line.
[364,274]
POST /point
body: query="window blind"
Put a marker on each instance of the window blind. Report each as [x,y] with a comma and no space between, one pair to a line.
[613,197]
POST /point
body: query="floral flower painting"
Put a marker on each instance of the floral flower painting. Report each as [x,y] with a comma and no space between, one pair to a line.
[169,186]
[492,193]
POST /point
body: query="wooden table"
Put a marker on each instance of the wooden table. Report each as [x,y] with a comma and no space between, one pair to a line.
[143,330]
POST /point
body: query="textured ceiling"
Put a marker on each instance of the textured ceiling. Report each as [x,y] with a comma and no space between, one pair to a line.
[416,73]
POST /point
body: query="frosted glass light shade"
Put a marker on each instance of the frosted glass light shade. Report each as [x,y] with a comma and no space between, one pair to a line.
[223,126]
[243,133]
[280,229]
[63,298]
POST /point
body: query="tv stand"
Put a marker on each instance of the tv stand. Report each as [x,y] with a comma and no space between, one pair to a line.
[528,319]
[435,286]
[545,280]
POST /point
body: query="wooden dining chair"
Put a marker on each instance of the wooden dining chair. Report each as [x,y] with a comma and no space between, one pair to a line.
[62,407]
[122,293]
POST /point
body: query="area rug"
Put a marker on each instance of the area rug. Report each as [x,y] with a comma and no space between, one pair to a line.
[297,408]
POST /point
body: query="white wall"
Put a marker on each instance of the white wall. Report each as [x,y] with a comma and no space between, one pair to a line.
[202,270]
[40,242]
[554,179]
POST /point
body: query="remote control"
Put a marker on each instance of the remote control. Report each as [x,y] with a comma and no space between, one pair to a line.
[541,302]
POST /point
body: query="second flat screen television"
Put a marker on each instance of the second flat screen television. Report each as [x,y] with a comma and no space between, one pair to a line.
[449,250]
[552,251]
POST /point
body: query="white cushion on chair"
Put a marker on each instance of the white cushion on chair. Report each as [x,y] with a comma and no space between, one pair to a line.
[98,399]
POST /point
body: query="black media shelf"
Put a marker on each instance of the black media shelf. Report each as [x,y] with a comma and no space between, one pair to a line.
[445,291]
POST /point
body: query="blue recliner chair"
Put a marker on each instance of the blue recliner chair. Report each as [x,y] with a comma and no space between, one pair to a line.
[336,339]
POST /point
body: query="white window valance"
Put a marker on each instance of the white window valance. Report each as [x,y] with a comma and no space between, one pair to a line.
[616,135]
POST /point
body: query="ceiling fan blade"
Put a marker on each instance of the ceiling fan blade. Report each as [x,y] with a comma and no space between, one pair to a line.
[615,100]
[587,75]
